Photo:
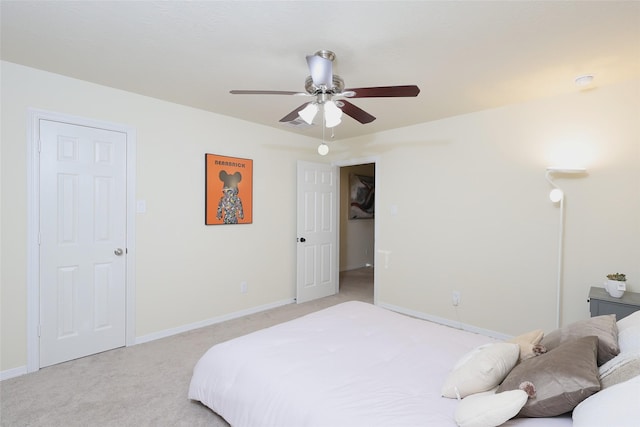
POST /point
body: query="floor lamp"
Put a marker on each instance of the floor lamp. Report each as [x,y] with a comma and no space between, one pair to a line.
[557,196]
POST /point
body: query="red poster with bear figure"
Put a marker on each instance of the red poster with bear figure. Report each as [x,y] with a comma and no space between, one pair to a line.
[228,190]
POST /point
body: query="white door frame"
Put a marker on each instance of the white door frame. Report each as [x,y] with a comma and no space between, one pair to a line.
[354,162]
[33,221]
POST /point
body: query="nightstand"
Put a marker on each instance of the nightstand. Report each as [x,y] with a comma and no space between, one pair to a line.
[600,302]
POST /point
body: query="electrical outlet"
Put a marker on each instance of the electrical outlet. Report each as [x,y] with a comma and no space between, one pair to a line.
[244,287]
[455,298]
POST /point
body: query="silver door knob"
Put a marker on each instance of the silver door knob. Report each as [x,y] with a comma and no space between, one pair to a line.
[118,251]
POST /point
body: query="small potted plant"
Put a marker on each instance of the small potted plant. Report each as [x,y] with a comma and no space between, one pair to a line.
[616,284]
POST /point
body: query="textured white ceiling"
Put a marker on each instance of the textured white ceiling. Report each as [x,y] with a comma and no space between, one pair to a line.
[464,55]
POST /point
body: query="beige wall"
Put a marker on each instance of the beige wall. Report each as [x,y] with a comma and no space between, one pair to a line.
[186,272]
[473,212]
[356,236]
[472,208]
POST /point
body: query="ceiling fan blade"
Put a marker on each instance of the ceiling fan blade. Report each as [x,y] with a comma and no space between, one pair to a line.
[321,71]
[294,114]
[356,112]
[263,92]
[385,91]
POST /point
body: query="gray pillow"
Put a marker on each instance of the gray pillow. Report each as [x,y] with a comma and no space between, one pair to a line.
[562,378]
[603,327]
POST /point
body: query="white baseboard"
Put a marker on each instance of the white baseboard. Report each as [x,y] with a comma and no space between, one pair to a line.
[208,322]
[447,322]
[12,373]
[16,372]
[355,267]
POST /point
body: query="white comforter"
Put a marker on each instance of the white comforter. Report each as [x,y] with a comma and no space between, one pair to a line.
[352,365]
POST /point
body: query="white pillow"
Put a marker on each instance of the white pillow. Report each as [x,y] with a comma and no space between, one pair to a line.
[630,320]
[626,364]
[629,338]
[481,369]
[489,409]
[615,406]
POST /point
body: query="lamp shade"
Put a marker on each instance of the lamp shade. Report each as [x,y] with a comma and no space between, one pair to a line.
[332,114]
[309,112]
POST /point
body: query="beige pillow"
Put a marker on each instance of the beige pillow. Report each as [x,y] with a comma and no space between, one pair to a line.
[620,369]
[563,377]
[481,369]
[489,409]
[603,327]
[527,342]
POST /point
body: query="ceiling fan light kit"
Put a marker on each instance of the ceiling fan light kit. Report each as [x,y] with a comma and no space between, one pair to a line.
[332,114]
[329,93]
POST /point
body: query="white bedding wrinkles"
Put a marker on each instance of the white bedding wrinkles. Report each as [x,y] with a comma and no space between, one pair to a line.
[353,364]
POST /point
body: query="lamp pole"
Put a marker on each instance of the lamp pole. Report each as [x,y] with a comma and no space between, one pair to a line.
[557,196]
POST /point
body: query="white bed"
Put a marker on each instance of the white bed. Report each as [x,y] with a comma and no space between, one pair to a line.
[353,364]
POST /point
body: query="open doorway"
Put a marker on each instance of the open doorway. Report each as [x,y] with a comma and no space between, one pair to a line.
[357,229]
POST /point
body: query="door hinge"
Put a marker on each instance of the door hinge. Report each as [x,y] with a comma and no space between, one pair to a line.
[39,330]
[39,238]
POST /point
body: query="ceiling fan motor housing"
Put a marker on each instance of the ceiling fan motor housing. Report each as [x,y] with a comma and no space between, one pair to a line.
[337,86]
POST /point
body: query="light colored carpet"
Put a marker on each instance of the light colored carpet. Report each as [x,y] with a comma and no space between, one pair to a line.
[146,384]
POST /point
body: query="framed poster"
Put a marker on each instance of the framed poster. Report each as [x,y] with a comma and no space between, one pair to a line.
[228,190]
[361,196]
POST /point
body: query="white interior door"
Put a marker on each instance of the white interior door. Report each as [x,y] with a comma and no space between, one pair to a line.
[82,241]
[317,247]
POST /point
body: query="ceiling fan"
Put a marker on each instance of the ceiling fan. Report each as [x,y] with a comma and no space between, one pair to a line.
[329,94]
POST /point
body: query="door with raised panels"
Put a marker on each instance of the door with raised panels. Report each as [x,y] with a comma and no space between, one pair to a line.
[82,241]
[317,240]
